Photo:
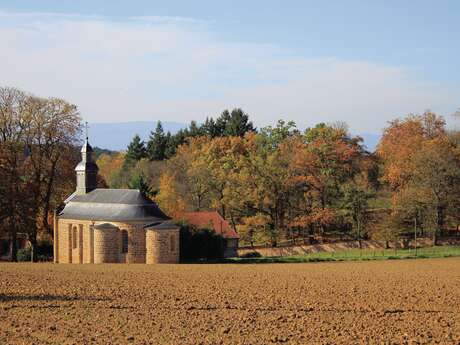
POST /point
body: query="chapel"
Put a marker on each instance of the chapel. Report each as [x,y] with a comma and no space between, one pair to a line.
[98,225]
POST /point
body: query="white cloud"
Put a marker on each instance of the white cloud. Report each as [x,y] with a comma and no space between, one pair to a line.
[172,68]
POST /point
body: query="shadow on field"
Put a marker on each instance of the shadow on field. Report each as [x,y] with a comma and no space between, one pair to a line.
[48,298]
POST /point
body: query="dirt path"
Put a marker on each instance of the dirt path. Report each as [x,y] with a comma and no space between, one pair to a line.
[390,302]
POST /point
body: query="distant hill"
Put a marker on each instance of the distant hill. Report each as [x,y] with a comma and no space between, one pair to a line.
[117,136]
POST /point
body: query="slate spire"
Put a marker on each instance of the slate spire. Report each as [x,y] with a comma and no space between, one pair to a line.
[87,169]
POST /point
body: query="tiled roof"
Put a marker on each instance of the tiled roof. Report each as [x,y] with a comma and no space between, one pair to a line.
[112,205]
[210,220]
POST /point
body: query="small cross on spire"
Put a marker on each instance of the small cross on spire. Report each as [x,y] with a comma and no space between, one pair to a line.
[86,129]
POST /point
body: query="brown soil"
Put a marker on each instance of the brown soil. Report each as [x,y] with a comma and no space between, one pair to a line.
[390,302]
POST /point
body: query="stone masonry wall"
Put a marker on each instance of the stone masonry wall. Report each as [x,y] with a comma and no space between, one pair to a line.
[162,246]
[98,246]
[88,244]
[136,244]
[77,252]
[65,251]
[64,243]
[106,246]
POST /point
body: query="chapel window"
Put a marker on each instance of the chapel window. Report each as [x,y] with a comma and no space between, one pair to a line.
[124,241]
[172,243]
[74,237]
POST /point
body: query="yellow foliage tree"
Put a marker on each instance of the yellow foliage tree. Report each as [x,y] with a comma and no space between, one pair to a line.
[168,198]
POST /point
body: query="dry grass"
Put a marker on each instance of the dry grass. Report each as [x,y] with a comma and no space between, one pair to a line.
[326,303]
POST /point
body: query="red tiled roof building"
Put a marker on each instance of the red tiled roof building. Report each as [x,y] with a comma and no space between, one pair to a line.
[212,220]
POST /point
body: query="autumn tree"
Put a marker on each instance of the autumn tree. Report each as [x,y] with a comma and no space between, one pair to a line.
[190,172]
[419,159]
[169,197]
[110,166]
[265,185]
[254,229]
[324,159]
[437,177]
[38,138]
[13,155]
[355,204]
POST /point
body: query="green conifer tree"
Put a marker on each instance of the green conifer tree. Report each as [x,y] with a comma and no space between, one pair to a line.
[156,147]
[136,151]
[140,182]
[238,124]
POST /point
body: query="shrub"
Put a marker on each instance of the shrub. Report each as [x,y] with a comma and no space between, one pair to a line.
[251,255]
[24,254]
[43,252]
[196,244]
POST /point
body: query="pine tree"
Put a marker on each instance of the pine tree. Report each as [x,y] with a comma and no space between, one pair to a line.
[136,151]
[222,122]
[194,130]
[140,182]
[238,124]
[210,128]
[173,142]
[156,147]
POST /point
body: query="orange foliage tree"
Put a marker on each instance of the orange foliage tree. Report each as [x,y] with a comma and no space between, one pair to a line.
[422,166]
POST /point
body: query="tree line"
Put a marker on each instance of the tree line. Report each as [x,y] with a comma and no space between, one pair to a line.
[162,146]
[279,183]
[272,184]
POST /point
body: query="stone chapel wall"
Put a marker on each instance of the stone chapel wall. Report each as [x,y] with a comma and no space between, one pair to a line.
[106,245]
[136,245]
[93,245]
[162,246]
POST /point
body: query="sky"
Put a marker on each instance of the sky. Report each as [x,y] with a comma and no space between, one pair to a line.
[360,62]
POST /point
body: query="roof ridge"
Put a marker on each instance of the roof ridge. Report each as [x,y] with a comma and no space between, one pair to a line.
[133,189]
[203,212]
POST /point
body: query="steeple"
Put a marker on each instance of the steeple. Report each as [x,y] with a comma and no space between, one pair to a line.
[86,169]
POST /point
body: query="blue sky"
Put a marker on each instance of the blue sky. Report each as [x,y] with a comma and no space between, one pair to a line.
[363,62]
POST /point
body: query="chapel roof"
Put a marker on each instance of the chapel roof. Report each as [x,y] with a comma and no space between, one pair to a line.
[112,205]
[86,147]
[166,225]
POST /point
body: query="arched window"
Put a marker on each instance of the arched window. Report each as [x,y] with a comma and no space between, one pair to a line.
[124,241]
[172,243]
[74,237]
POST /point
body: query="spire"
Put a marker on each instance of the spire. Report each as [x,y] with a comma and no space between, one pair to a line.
[86,146]
[87,169]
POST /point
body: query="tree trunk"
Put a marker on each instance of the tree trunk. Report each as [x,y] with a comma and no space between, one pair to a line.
[47,198]
[33,246]
[439,225]
[223,210]
[435,238]
[14,245]
[359,234]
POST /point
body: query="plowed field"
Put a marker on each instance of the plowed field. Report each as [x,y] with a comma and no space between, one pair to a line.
[384,302]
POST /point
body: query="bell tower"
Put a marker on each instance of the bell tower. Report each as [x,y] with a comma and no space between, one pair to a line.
[87,169]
